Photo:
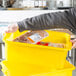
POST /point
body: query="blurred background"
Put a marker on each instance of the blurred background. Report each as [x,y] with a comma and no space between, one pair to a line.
[36,4]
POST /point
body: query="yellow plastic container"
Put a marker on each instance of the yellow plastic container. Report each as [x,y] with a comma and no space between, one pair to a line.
[38,54]
[22,69]
[67,71]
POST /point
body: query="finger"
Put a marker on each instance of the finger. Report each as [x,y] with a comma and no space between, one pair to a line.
[73,40]
[74,45]
[8,31]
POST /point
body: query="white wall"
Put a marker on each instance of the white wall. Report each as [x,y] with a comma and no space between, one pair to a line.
[12,16]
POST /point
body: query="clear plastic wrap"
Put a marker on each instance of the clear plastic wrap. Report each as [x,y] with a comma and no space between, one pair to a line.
[60,45]
[32,37]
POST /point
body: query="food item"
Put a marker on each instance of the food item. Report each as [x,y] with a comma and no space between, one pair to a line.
[35,37]
[42,43]
[57,45]
[32,37]
[51,44]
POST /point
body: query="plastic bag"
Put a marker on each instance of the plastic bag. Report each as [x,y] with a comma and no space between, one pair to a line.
[32,37]
[60,45]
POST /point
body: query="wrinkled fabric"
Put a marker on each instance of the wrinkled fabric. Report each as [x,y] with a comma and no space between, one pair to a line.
[66,19]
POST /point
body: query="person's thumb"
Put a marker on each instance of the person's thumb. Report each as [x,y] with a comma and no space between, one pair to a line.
[73,40]
[74,45]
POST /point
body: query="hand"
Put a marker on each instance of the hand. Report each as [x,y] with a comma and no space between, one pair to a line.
[74,43]
[12,28]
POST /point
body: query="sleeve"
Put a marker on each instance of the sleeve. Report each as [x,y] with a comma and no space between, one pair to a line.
[66,19]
